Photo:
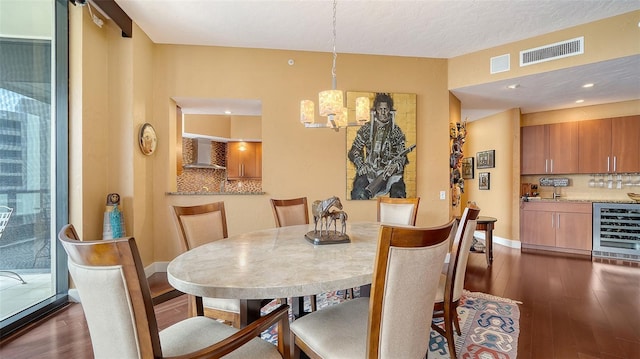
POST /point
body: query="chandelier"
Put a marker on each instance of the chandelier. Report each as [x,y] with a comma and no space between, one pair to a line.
[331,102]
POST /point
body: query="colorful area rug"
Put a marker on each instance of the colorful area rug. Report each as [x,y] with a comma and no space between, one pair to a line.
[489,325]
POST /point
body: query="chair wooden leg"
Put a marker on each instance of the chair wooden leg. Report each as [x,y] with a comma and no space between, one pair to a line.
[448,330]
[456,320]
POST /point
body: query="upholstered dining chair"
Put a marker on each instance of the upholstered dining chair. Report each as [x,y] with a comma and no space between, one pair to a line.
[451,283]
[389,324]
[291,212]
[398,210]
[116,300]
[198,225]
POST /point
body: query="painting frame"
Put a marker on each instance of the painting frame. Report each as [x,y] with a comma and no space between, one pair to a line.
[484,181]
[486,159]
[467,168]
[404,116]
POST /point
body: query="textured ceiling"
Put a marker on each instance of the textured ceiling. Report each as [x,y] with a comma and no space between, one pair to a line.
[427,28]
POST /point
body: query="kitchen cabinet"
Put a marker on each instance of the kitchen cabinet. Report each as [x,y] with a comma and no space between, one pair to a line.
[549,149]
[610,145]
[244,160]
[556,226]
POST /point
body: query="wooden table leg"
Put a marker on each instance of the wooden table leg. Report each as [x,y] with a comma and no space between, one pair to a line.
[297,307]
[489,242]
[249,311]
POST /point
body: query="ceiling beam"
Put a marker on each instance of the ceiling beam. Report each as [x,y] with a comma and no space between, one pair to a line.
[113,11]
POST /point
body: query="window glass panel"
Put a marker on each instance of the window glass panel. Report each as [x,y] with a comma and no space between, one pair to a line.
[30,124]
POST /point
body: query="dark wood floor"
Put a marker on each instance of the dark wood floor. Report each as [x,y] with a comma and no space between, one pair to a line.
[571,308]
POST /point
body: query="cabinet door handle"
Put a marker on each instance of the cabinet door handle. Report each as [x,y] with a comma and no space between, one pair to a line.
[545,165]
[558,223]
[607,163]
[615,167]
[551,166]
[552,226]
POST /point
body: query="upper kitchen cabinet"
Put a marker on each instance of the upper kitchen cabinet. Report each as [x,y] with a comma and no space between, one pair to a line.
[244,160]
[549,149]
[610,145]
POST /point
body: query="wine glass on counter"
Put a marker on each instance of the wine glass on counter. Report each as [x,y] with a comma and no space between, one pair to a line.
[592,181]
[619,181]
[628,182]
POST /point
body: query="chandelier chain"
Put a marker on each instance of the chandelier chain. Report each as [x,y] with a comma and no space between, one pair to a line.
[335,55]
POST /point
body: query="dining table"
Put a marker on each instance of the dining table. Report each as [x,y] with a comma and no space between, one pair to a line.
[275,263]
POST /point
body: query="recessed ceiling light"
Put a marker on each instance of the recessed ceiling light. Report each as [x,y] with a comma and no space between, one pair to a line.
[227,112]
[587,85]
[514,86]
[579,101]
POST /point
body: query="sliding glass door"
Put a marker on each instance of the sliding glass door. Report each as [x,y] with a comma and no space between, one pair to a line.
[33,157]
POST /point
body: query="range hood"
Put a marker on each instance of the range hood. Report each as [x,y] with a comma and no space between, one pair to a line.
[202,155]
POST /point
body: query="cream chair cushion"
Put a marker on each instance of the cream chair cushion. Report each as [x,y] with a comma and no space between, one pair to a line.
[202,228]
[189,335]
[291,215]
[391,213]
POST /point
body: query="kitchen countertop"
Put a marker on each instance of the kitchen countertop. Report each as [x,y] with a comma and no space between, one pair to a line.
[562,199]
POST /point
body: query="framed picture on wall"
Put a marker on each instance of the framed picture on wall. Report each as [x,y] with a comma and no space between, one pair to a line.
[486,159]
[484,180]
[467,168]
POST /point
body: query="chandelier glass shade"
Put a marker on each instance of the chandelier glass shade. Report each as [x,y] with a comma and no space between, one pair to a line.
[331,102]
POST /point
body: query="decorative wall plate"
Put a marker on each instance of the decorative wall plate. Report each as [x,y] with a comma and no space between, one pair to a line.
[147,139]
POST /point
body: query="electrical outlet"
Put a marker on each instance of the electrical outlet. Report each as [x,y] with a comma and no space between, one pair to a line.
[443,195]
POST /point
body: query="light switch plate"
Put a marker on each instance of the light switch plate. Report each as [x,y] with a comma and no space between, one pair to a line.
[443,195]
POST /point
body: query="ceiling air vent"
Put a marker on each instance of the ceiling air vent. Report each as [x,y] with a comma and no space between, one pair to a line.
[500,63]
[552,52]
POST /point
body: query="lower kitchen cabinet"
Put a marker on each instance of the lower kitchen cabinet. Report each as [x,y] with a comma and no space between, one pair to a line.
[557,226]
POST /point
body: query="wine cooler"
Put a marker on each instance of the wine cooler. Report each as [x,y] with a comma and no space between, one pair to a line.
[616,231]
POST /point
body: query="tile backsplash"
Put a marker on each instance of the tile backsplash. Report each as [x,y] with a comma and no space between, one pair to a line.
[208,179]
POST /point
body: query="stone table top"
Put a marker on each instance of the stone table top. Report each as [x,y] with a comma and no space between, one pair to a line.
[276,263]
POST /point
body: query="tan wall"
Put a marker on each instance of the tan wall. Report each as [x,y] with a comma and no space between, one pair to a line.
[116,87]
[499,132]
[299,161]
[618,109]
[208,125]
[246,127]
[113,96]
[606,39]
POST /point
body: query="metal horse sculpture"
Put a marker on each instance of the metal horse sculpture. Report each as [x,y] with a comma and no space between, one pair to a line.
[320,211]
[334,216]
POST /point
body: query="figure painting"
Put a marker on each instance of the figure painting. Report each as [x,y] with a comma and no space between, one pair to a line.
[381,153]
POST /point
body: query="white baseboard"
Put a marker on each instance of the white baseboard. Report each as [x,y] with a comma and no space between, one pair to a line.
[155,267]
[499,240]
